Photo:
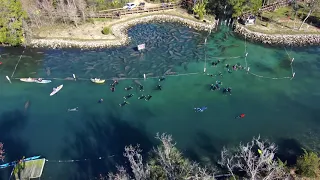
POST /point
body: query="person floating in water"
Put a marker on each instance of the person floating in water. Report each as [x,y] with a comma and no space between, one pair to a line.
[162,78]
[225,90]
[148,97]
[218,82]
[128,88]
[220,74]
[128,96]
[115,82]
[229,90]
[100,101]
[201,109]
[210,75]
[124,103]
[112,89]
[141,88]
[240,116]
[141,97]
[212,87]
[227,66]
[158,87]
[73,109]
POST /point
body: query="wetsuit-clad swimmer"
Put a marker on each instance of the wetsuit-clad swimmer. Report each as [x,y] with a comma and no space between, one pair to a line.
[217,86]
[158,87]
[229,90]
[162,78]
[141,88]
[73,109]
[225,90]
[124,103]
[128,88]
[128,96]
[240,116]
[212,87]
[220,74]
[227,66]
[141,97]
[148,97]
[112,89]
[201,109]
[100,101]
[218,82]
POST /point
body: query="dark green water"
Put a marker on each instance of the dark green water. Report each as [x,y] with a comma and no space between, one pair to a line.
[283,110]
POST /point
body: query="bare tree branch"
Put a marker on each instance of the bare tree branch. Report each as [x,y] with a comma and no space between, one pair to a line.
[121,175]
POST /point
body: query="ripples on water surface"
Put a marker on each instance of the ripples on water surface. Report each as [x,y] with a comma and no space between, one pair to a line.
[278,109]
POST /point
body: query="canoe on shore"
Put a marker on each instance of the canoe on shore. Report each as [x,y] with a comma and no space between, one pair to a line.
[97,80]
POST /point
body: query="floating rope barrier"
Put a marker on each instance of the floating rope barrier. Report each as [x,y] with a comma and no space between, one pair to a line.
[15,68]
[266,77]
[78,160]
[111,79]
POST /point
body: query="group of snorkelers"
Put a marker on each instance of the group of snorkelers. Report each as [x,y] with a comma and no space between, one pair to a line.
[216,86]
[130,95]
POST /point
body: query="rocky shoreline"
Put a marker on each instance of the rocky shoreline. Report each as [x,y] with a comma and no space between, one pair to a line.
[278,39]
[120,32]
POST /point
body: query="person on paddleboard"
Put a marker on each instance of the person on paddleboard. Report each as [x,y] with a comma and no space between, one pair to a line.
[240,116]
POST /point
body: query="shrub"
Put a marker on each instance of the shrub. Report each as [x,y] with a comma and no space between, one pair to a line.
[308,164]
[106,30]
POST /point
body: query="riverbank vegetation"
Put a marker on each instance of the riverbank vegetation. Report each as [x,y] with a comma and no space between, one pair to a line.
[20,20]
[255,160]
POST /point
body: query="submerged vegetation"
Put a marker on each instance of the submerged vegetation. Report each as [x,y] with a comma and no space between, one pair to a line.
[254,160]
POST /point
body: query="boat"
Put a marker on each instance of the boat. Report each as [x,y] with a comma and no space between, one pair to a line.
[55,90]
[15,162]
[42,81]
[28,79]
[97,80]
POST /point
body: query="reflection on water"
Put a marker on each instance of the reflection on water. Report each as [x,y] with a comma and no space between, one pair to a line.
[278,109]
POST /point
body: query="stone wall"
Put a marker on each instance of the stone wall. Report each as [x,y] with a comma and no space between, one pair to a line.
[120,31]
[278,39]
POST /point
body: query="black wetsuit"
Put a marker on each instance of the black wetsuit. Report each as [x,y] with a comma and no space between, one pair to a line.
[128,88]
[128,96]
[141,88]
[123,104]
[148,97]
[141,97]
[159,87]
[162,78]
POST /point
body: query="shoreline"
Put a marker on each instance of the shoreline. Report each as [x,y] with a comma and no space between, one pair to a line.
[278,39]
[119,30]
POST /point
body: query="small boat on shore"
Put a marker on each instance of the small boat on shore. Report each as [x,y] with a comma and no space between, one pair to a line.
[97,80]
[28,79]
[55,90]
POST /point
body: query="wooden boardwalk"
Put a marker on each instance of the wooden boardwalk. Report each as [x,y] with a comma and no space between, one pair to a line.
[117,13]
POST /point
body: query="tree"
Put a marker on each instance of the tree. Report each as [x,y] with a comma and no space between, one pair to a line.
[200,9]
[256,159]
[11,17]
[308,164]
[166,162]
[1,152]
[255,6]
[313,5]
[238,6]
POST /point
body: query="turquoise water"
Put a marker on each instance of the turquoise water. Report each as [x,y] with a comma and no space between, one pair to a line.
[283,110]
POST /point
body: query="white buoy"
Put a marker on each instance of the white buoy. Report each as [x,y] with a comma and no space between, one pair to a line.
[293,75]
[248,69]
[205,41]
[144,76]
[74,77]
[246,54]
[8,79]
[204,70]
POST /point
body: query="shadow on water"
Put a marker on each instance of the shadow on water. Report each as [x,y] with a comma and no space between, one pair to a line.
[11,123]
[289,150]
[105,137]
[208,145]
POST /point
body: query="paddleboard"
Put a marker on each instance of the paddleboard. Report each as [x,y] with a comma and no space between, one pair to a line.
[56,90]
[43,81]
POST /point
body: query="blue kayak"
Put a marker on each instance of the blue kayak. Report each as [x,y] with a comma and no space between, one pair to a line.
[15,162]
[201,109]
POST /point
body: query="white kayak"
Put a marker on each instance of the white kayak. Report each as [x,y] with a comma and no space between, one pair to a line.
[28,79]
[55,90]
[43,81]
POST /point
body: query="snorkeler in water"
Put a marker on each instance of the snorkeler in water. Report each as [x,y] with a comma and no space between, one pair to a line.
[112,89]
[220,74]
[141,88]
[240,116]
[162,78]
[115,82]
[148,97]
[227,66]
[229,90]
[159,87]
[212,87]
[123,104]
[218,82]
[141,97]
[128,96]
[217,86]
[224,91]
[128,88]
[100,101]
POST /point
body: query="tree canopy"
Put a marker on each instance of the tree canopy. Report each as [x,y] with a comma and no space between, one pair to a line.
[11,19]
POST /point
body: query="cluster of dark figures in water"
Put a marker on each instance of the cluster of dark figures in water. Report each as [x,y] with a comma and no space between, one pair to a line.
[130,95]
[216,86]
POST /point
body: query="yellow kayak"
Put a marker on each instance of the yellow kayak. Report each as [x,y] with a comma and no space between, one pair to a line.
[97,80]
